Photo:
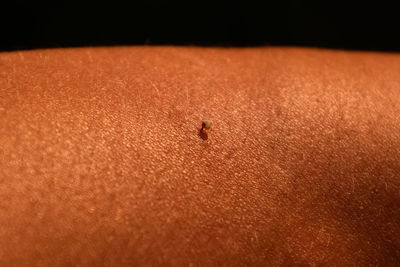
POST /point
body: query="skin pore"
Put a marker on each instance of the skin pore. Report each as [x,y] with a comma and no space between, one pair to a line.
[101,161]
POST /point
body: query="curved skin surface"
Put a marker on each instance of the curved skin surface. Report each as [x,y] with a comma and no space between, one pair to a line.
[102,161]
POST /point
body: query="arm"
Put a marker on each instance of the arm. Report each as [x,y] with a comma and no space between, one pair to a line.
[102,162]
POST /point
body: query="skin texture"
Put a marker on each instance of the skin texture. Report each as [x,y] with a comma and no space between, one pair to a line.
[102,161]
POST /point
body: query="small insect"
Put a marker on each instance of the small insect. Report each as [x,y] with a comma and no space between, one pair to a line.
[206,125]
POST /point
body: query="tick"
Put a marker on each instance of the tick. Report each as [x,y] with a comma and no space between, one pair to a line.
[206,125]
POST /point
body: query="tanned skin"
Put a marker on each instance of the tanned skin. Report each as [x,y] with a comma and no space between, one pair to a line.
[103,162]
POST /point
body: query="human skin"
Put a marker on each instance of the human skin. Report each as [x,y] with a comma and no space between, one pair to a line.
[102,162]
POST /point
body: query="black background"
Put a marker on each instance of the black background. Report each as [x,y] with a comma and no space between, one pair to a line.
[333,24]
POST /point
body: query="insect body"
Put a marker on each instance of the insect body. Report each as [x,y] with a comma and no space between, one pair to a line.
[206,125]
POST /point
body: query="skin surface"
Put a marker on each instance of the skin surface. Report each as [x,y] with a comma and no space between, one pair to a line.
[102,161]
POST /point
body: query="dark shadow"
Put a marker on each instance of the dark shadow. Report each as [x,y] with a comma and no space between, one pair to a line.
[341,24]
[202,135]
